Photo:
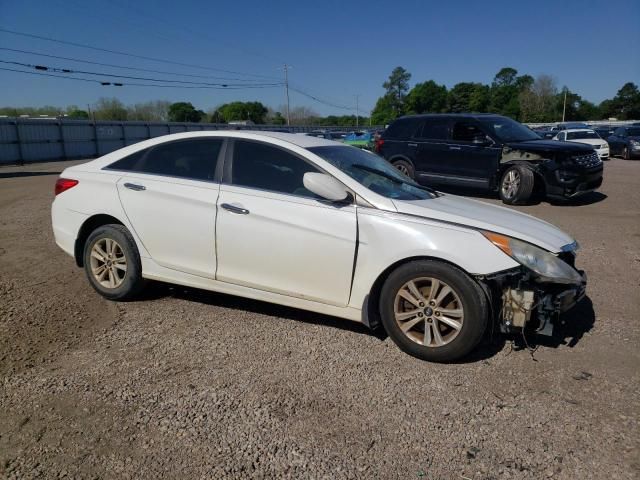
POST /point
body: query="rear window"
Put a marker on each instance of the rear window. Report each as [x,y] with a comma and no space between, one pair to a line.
[434,129]
[402,129]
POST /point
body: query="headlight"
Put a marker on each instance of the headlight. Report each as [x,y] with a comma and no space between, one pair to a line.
[546,265]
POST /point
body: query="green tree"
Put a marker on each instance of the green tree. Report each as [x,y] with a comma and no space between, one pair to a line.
[110,109]
[184,112]
[505,92]
[427,97]
[397,87]
[384,112]
[235,111]
[626,104]
[77,114]
[469,97]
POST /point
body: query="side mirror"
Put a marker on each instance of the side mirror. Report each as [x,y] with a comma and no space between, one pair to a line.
[325,186]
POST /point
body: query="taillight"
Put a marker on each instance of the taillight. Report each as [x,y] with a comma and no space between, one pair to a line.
[63,184]
[379,143]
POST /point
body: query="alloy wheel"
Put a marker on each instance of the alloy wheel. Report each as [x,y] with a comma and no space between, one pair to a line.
[108,263]
[428,311]
[510,184]
[402,168]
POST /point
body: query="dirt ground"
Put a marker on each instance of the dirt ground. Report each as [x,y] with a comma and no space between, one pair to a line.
[192,384]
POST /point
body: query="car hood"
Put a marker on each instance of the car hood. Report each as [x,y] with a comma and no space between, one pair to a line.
[549,146]
[589,141]
[475,214]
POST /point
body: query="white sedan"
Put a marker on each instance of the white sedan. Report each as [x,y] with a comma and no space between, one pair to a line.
[314,224]
[588,136]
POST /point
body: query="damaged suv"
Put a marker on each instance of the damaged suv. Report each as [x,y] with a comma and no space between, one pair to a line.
[489,152]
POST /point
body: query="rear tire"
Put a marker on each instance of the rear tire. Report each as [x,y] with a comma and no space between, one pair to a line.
[433,311]
[405,167]
[112,263]
[516,185]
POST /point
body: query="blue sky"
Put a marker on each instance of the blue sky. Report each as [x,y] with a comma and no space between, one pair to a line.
[338,49]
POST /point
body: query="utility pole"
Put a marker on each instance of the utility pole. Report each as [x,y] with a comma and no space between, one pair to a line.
[564,105]
[357,112]
[286,88]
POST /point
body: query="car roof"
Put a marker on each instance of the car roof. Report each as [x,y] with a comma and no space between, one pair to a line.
[303,141]
[571,130]
[453,115]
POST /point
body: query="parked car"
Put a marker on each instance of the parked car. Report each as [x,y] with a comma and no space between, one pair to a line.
[360,139]
[571,125]
[587,137]
[305,222]
[605,131]
[490,152]
[546,132]
[329,135]
[625,142]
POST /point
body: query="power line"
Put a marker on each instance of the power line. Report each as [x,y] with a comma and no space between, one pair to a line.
[111,65]
[319,100]
[162,80]
[133,55]
[118,84]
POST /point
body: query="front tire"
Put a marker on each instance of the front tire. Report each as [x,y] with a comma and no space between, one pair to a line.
[112,263]
[516,185]
[433,311]
[625,153]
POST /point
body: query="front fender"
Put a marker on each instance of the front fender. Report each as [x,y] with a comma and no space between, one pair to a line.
[387,238]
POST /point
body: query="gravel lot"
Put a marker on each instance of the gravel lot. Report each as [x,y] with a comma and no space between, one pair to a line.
[192,384]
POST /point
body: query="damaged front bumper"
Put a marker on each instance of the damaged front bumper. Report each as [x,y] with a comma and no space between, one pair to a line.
[523,301]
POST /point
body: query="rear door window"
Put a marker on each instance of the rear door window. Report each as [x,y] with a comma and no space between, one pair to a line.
[194,159]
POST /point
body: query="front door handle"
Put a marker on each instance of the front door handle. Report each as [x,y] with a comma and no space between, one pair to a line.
[412,144]
[135,186]
[455,148]
[235,209]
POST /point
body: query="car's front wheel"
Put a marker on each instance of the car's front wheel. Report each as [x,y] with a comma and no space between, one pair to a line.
[516,185]
[433,310]
[625,153]
[112,262]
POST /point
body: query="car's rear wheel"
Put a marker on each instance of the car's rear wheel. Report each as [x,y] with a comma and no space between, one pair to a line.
[433,310]
[112,262]
[404,167]
[516,185]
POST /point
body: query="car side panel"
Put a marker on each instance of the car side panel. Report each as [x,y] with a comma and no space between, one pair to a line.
[387,238]
[95,194]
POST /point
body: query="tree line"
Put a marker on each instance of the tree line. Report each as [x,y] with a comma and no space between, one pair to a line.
[163,111]
[522,97]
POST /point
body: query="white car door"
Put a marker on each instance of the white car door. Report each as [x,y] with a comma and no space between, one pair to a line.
[273,234]
[169,194]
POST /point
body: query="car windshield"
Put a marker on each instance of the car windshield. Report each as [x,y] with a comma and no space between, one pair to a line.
[507,130]
[374,173]
[581,135]
[633,132]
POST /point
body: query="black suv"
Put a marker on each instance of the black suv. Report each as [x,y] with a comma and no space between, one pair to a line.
[491,152]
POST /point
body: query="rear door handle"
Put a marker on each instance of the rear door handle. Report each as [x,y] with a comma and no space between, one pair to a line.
[234,209]
[455,148]
[135,186]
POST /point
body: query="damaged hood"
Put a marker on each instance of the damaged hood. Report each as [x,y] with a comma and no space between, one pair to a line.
[472,213]
[549,146]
